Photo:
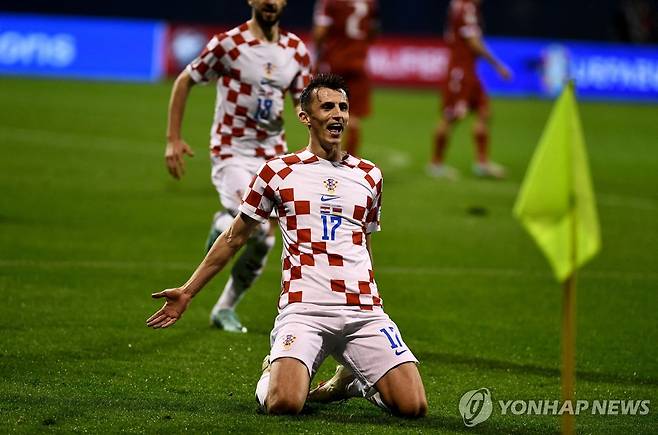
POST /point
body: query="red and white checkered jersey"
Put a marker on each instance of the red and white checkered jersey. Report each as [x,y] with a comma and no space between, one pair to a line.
[325,209]
[252,79]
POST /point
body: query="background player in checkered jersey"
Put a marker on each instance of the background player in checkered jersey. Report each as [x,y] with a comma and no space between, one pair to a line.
[254,65]
[343,31]
[328,203]
[463,92]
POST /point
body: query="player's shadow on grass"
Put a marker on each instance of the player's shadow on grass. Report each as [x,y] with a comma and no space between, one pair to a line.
[531,369]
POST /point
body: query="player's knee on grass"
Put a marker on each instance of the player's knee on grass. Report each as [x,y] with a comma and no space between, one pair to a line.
[412,407]
[282,405]
[289,385]
[408,404]
[401,389]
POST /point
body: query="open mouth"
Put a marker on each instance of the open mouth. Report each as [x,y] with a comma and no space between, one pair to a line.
[335,128]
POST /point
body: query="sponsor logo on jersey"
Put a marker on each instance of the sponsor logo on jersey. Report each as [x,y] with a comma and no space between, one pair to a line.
[325,198]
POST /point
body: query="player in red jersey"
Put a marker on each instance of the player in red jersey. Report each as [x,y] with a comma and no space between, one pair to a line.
[343,31]
[463,92]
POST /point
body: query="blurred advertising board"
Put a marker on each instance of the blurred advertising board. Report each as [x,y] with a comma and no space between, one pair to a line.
[184,42]
[143,50]
[76,47]
[601,71]
[392,61]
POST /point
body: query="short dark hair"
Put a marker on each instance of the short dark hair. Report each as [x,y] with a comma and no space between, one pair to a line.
[330,81]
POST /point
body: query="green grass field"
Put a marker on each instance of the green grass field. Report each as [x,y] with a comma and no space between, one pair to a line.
[91,224]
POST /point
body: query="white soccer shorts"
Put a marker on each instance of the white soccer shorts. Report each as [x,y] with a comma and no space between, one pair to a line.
[231,177]
[367,342]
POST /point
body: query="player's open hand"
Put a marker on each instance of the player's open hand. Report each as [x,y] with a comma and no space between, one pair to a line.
[171,311]
[174,153]
[504,72]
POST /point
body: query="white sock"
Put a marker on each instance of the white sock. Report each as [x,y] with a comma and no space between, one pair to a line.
[262,388]
[229,298]
[376,399]
[356,388]
[247,268]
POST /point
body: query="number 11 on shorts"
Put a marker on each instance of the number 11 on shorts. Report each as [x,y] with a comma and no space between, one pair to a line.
[396,344]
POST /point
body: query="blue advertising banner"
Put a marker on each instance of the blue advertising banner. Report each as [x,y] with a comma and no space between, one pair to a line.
[600,71]
[88,48]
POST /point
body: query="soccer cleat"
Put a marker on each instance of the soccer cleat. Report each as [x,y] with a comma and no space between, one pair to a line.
[334,389]
[266,366]
[439,170]
[263,382]
[489,170]
[227,320]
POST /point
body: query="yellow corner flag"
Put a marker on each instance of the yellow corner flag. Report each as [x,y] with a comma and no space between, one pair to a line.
[556,203]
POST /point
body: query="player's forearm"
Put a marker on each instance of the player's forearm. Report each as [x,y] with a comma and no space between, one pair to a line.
[481,50]
[224,248]
[177,102]
[214,262]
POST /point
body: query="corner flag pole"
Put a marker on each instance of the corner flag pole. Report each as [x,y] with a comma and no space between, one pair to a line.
[557,206]
[568,374]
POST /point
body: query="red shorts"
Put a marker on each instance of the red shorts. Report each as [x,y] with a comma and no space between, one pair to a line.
[463,93]
[359,86]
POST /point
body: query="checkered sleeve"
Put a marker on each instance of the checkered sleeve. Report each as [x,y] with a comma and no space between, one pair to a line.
[303,76]
[374,210]
[258,201]
[210,63]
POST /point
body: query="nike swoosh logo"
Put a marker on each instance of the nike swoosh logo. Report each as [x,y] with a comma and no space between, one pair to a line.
[325,198]
[398,352]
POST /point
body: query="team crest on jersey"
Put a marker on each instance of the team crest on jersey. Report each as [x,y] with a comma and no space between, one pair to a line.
[269,69]
[330,184]
[288,341]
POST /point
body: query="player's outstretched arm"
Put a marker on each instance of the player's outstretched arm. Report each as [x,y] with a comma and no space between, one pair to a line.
[226,245]
[176,146]
[479,47]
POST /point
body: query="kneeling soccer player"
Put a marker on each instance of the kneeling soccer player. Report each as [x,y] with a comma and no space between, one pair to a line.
[328,204]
